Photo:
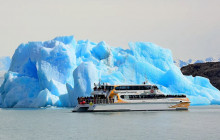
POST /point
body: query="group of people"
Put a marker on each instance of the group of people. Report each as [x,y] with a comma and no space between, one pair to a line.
[94,100]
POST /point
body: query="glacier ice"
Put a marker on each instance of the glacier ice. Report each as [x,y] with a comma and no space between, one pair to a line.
[5,63]
[4,66]
[56,72]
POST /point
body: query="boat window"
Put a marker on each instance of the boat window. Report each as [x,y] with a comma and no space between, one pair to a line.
[123,88]
[109,87]
[155,87]
[131,96]
[141,87]
[117,88]
[131,87]
[126,97]
[135,87]
[147,87]
[137,97]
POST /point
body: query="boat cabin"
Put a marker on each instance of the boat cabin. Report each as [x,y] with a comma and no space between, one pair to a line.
[104,94]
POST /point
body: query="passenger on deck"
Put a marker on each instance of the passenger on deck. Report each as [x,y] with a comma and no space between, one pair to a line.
[78,100]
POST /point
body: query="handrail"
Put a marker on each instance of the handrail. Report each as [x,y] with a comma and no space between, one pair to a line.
[95,101]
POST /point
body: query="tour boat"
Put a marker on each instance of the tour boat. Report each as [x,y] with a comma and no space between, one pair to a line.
[143,97]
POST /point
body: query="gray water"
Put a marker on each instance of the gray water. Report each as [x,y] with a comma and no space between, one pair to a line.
[200,122]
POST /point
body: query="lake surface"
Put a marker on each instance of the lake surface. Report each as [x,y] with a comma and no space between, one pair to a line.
[199,122]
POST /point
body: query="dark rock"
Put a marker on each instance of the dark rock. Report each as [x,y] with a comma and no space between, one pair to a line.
[210,70]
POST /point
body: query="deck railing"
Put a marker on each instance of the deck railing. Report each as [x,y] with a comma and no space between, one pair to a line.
[95,101]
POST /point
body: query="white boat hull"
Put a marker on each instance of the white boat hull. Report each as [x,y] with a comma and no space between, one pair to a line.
[128,107]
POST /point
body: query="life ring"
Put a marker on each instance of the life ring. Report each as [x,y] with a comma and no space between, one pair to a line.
[151,91]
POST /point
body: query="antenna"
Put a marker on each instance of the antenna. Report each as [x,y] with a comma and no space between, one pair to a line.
[99,83]
[146,81]
[104,85]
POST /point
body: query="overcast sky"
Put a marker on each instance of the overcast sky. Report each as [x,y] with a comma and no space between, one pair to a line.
[190,28]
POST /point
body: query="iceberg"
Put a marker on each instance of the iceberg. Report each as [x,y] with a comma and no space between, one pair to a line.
[5,63]
[4,66]
[56,72]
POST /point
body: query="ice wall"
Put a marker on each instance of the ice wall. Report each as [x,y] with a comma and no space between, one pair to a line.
[4,66]
[56,72]
[5,63]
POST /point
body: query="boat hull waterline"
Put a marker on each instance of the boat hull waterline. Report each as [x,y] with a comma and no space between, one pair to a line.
[120,107]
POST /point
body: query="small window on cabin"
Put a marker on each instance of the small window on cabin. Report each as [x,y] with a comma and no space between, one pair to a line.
[147,87]
[135,87]
[123,88]
[117,88]
[141,87]
[155,87]
[128,88]
[126,97]
[107,88]
[130,96]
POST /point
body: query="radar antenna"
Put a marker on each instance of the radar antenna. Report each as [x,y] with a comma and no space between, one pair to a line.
[146,81]
[99,83]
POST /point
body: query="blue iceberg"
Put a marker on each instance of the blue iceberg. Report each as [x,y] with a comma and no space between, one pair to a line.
[4,66]
[56,72]
[5,63]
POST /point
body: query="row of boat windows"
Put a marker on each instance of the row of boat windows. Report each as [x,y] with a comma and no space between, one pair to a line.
[147,87]
[104,87]
[150,96]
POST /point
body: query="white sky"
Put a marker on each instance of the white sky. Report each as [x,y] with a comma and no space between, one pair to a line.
[190,28]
